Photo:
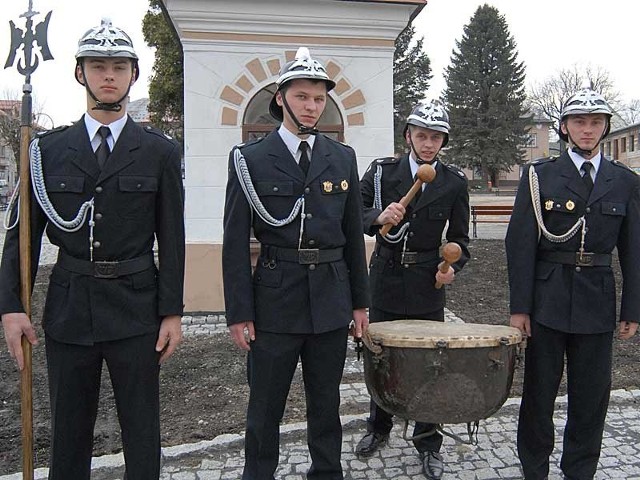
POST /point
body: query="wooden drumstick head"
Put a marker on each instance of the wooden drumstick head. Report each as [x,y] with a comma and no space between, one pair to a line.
[451,253]
[426,173]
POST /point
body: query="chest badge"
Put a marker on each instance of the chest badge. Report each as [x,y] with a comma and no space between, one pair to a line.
[570,205]
[548,205]
[344,185]
[327,186]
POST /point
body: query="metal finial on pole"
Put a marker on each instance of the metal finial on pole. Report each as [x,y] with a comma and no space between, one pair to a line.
[28,38]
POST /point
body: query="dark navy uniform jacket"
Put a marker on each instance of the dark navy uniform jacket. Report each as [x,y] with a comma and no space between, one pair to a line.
[138,199]
[410,290]
[285,296]
[565,297]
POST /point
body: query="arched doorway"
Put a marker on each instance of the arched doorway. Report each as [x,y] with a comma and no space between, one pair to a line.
[258,122]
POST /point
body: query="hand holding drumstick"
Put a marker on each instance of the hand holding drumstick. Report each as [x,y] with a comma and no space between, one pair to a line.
[451,253]
[425,174]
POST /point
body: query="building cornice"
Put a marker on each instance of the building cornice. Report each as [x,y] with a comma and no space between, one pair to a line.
[329,22]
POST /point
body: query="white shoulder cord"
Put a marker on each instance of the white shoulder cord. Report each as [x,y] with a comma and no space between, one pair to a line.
[244,177]
[7,213]
[40,192]
[537,208]
[377,203]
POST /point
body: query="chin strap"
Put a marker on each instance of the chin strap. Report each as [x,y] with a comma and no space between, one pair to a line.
[302,129]
[419,160]
[109,107]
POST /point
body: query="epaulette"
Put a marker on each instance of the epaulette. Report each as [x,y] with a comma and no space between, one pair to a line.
[253,141]
[157,132]
[45,133]
[618,163]
[386,161]
[538,161]
[457,171]
[333,140]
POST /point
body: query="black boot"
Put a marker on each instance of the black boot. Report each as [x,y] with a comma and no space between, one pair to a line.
[432,465]
[370,444]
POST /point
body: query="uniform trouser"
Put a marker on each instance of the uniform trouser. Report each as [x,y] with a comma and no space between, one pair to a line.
[588,359]
[381,421]
[271,364]
[74,389]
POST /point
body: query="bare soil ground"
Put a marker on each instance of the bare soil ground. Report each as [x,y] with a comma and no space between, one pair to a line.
[203,387]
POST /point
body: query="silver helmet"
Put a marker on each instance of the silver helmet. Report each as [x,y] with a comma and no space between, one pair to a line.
[303,67]
[585,102]
[431,115]
[105,41]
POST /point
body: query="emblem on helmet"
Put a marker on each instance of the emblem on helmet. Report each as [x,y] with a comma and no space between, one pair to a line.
[430,115]
[585,102]
[105,41]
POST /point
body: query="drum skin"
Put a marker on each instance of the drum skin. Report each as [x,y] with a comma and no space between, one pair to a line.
[456,376]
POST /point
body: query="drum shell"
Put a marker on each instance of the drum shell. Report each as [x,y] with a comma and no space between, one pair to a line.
[440,385]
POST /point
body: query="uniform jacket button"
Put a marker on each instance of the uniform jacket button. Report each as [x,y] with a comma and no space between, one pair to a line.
[98,189]
[98,216]
[578,269]
[96,244]
[312,267]
[312,242]
[275,189]
[309,216]
[139,186]
[307,190]
[63,185]
[588,210]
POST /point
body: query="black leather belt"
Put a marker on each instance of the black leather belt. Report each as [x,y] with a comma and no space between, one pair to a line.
[586,259]
[102,269]
[303,256]
[406,257]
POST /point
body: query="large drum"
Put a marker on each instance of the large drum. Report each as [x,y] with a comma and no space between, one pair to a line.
[438,372]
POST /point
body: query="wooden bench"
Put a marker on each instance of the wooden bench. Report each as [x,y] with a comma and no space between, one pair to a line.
[489,211]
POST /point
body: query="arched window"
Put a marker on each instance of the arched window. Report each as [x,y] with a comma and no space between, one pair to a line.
[258,122]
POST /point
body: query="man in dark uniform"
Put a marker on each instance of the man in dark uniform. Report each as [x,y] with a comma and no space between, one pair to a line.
[298,192]
[107,301]
[569,215]
[404,266]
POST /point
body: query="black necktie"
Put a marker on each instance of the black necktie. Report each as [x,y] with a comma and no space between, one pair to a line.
[103,151]
[304,157]
[419,192]
[586,175]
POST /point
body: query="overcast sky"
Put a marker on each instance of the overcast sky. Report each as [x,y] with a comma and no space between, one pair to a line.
[550,35]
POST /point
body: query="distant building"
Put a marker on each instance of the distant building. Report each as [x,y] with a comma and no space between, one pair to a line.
[138,110]
[622,144]
[537,145]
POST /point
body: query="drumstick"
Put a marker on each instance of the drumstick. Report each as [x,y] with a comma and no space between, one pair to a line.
[425,174]
[451,253]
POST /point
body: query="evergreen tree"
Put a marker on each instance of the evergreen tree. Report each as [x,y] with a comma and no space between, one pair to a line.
[166,97]
[485,97]
[411,75]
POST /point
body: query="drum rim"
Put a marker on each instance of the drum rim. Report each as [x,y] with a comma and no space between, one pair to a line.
[503,335]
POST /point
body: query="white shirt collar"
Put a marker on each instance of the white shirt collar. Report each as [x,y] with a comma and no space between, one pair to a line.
[414,165]
[92,126]
[292,141]
[578,160]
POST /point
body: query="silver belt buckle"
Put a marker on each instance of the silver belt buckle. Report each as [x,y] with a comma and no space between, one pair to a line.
[308,256]
[584,259]
[409,257]
[105,269]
